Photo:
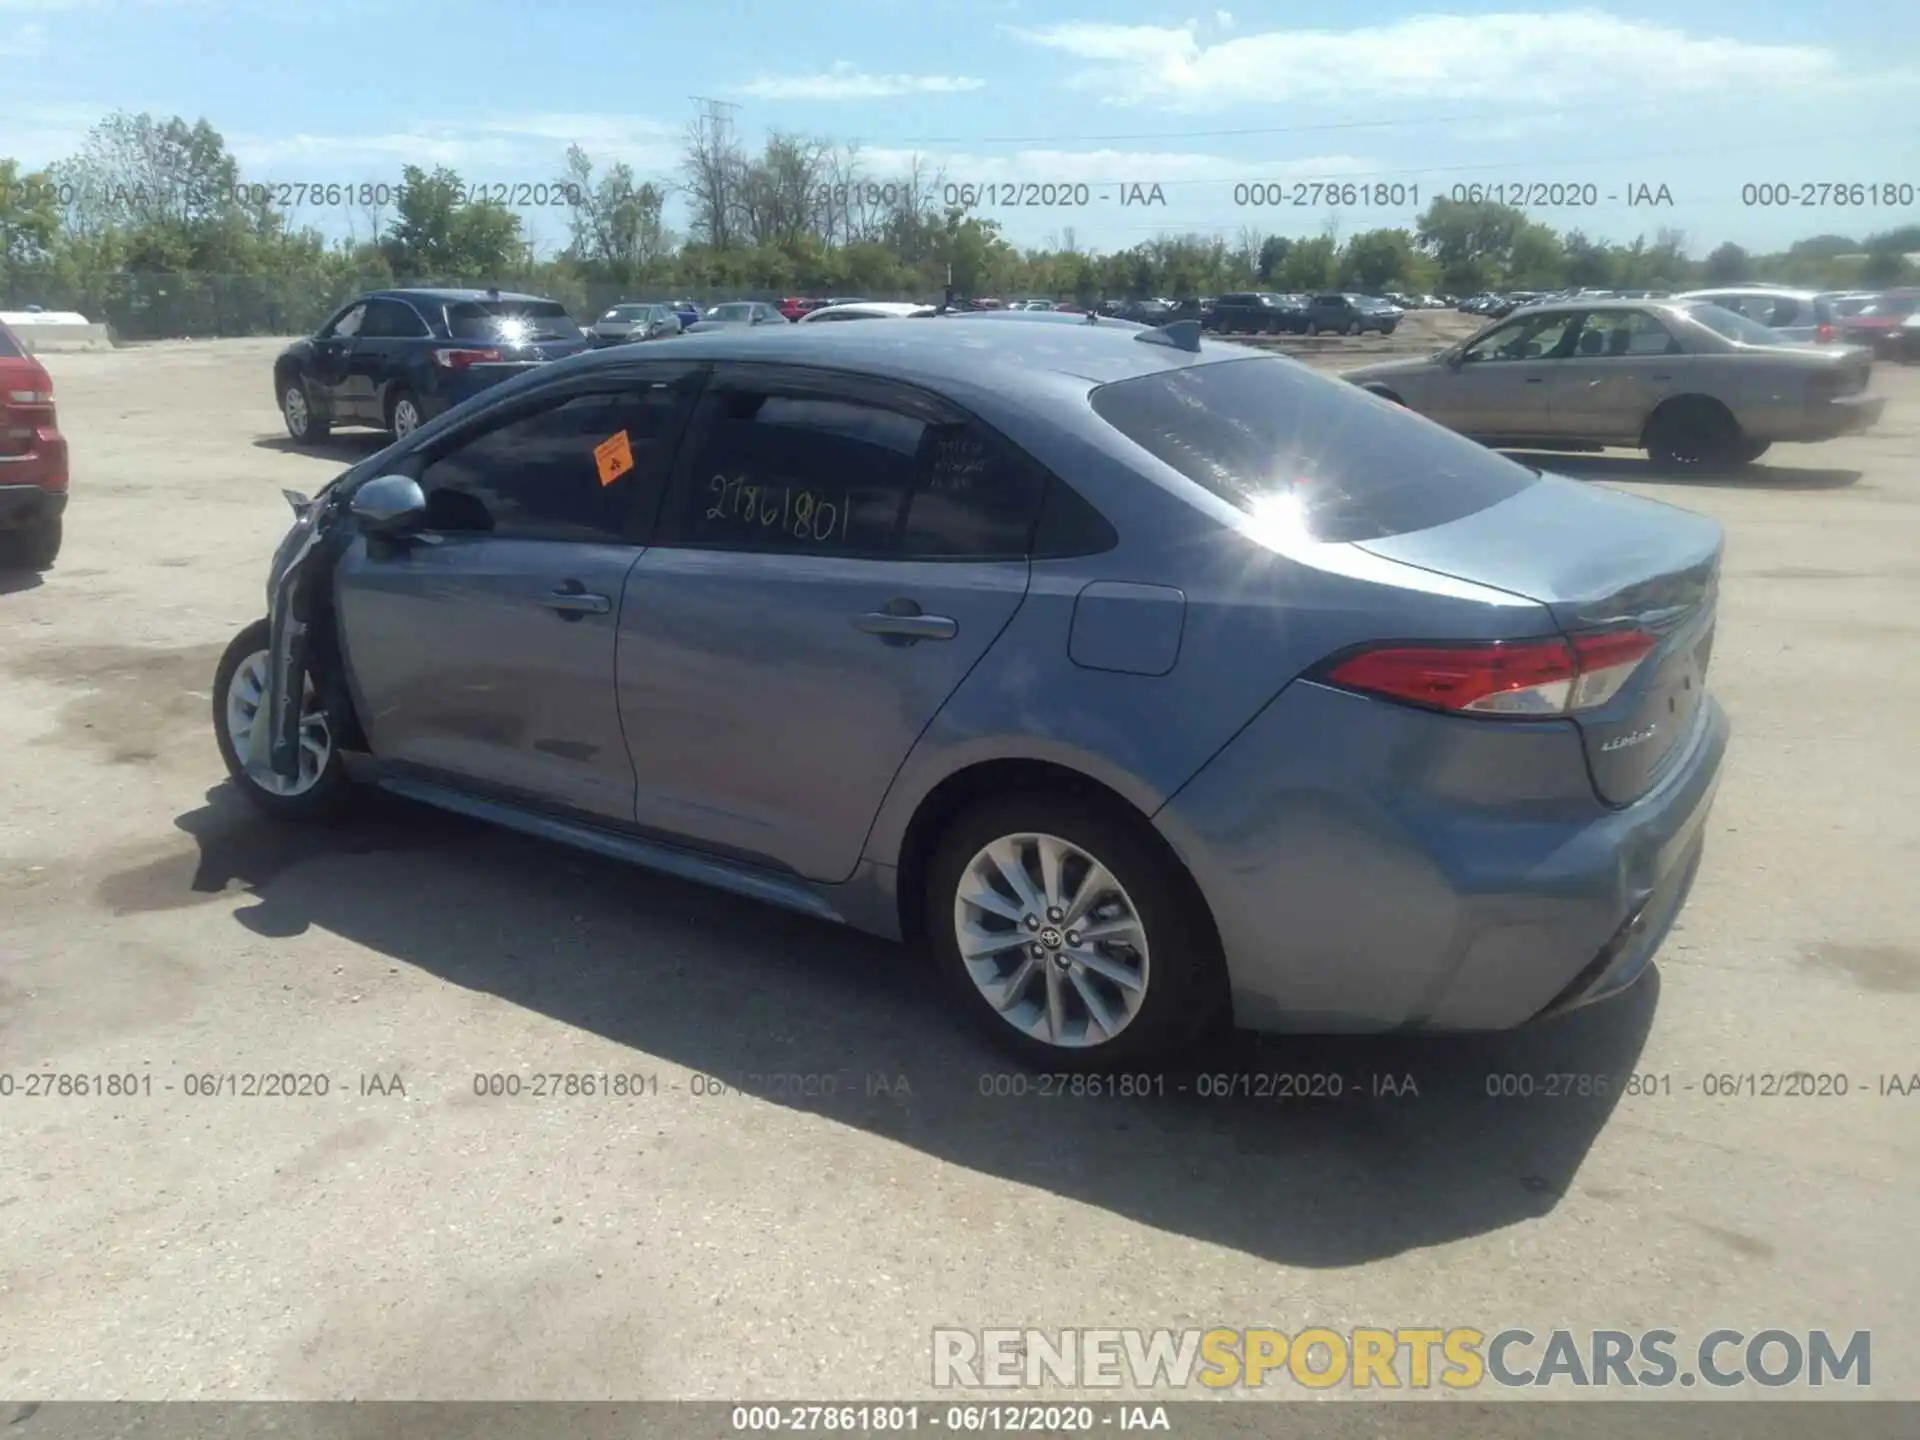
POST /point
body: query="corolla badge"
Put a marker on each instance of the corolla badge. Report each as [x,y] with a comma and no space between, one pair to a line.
[1629,740]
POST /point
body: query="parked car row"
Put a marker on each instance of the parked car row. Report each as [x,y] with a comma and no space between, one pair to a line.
[1248,312]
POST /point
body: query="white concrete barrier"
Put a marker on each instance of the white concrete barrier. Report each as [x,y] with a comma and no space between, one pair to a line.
[54,330]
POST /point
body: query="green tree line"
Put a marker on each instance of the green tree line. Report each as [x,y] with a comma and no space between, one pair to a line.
[151,228]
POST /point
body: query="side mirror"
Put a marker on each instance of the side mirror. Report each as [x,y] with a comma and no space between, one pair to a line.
[389,506]
[1453,359]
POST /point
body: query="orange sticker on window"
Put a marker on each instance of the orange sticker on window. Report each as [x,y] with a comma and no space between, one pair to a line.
[614,457]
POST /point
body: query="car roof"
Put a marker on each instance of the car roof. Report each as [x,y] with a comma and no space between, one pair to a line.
[1789,292]
[447,297]
[934,354]
[873,308]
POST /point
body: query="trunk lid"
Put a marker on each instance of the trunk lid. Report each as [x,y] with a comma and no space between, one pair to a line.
[1598,559]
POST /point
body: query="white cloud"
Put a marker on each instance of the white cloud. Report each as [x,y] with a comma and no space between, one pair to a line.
[39,134]
[1146,168]
[843,82]
[1520,58]
[24,40]
[528,147]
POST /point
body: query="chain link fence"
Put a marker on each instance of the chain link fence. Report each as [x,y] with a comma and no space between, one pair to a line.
[186,305]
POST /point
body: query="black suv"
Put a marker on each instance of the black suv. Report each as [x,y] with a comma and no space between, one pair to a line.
[1250,313]
[394,359]
[1350,315]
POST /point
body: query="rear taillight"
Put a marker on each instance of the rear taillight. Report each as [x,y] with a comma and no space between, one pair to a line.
[461,359]
[1523,679]
[1824,335]
[39,398]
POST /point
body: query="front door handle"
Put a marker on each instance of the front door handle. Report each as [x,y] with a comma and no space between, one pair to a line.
[572,600]
[901,622]
[1536,380]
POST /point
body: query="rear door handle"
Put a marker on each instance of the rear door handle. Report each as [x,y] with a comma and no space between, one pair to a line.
[572,600]
[902,621]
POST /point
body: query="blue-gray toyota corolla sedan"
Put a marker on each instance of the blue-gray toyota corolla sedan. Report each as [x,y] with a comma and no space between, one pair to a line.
[1137,679]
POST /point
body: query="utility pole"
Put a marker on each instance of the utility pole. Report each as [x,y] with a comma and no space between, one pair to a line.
[716,161]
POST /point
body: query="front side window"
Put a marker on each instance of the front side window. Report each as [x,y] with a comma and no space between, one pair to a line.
[347,325]
[571,470]
[1537,337]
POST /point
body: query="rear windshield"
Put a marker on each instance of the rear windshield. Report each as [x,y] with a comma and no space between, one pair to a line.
[1265,429]
[1731,324]
[510,320]
[9,347]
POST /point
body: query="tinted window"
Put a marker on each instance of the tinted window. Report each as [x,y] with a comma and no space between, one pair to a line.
[973,496]
[1265,431]
[730,312]
[510,321]
[1784,311]
[560,473]
[803,474]
[9,348]
[393,320]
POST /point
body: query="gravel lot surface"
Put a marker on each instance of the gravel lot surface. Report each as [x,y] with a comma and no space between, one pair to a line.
[725,1237]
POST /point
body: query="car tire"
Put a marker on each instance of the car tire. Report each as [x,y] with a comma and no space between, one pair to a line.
[238,691]
[304,427]
[400,405]
[33,548]
[1353,327]
[1697,435]
[1176,957]
[1386,330]
[1752,450]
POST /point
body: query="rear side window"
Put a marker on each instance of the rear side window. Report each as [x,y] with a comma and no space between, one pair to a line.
[1266,432]
[9,347]
[511,321]
[813,475]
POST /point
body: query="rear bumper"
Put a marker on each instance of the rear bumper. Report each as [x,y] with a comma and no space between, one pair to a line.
[1370,867]
[23,507]
[1847,415]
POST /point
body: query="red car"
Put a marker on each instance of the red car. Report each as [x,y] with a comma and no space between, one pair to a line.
[794,306]
[33,461]
[1878,325]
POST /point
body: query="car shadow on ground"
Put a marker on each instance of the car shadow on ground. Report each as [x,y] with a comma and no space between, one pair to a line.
[348,448]
[1637,469]
[14,581]
[1420,1147]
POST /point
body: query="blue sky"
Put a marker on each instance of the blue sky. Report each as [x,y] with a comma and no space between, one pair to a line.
[1703,97]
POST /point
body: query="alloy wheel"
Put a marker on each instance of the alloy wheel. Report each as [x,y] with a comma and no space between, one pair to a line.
[1052,940]
[406,417]
[294,405]
[248,724]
